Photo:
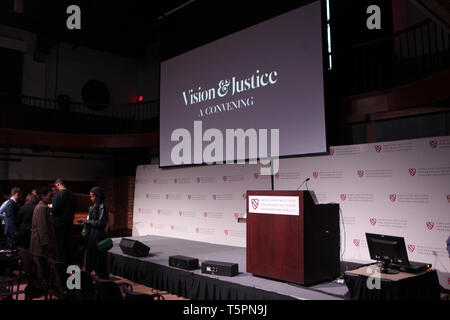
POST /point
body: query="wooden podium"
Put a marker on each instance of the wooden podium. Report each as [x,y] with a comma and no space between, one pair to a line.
[291,238]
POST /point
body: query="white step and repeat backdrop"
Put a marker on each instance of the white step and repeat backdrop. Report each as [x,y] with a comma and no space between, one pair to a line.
[195,203]
[397,188]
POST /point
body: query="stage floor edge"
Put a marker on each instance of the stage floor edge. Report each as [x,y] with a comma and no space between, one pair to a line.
[154,271]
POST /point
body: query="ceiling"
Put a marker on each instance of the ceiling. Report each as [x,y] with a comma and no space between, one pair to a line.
[127,27]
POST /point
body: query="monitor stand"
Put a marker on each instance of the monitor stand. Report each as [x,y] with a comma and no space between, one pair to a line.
[385,268]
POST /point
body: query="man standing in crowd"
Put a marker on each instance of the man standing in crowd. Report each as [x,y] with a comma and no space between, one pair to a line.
[63,211]
[9,214]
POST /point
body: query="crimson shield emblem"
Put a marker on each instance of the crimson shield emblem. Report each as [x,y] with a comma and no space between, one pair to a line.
[392,197]
[356,242]
[411,248]
[315,174]
[433,144]
[448,197]
[378,148]
[412,171]
[430,225]
[226,232]
[360,173]
[255,203]
[343,196]
[373,221]
[205,214]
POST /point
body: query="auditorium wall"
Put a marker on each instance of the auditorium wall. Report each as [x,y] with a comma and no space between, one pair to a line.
[397,188]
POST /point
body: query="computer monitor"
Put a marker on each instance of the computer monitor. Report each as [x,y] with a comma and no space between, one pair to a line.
[388,250]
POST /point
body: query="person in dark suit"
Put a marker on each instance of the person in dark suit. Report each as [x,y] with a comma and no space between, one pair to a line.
[96,224]
[24,218]
[9,214]
[63,211]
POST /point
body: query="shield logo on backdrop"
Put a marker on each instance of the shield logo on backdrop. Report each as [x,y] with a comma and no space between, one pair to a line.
[236,215]
[155,181]
[393,197]
[159,211]
[343,196]
[198,180]
[315,174]
[277,175]
[433,144]
[140,210]
[378,148]
[172,227]
[255,203]
[205,214]
[243,196]
[151,224]
[332,151]
[226,232]
[189,196]
[411,248]
[214,197]
[256,175]
[167,196]
[360,173]
[180,213]
[147,196]
[224,178]
[412,171]
[430,225]
[356,242]
[373,221]
[175,180]
[197,229]
[448,197]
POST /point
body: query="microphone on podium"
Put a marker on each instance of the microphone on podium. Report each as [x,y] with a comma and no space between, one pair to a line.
[307,179]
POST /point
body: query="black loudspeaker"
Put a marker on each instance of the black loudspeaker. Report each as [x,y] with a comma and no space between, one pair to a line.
[134,248]
[220,268]
[183,262]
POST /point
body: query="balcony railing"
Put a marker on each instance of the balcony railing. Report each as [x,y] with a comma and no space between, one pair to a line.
[33,113]
[408,55]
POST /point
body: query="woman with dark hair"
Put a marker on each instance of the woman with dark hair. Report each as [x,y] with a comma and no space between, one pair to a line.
[96,225]
[24,219]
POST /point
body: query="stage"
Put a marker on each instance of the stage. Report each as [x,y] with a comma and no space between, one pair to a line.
[154,271]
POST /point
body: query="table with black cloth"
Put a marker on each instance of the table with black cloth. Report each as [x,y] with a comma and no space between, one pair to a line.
[401,286]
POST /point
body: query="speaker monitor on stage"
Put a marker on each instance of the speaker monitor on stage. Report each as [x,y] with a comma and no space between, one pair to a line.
[220,268]
[134,248]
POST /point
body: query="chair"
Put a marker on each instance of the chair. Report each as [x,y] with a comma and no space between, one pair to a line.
[110,290]
[55,279]
[6,291]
